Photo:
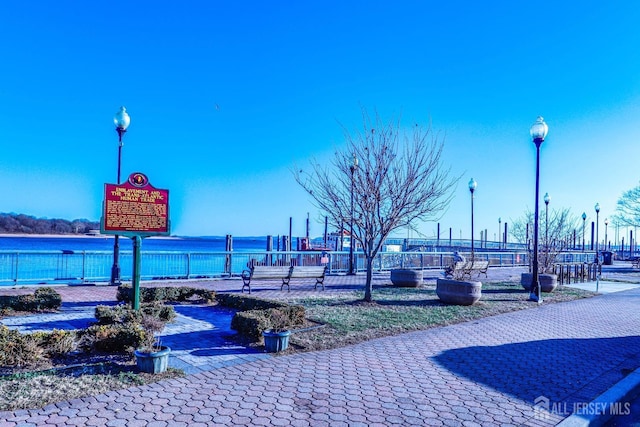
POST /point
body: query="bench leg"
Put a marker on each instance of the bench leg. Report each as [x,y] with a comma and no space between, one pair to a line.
[286,282]
[319,281]
[246,285]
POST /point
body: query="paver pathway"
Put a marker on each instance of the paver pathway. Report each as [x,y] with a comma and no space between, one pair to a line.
[485,372]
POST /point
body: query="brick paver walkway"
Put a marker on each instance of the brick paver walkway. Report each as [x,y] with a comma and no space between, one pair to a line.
[484,372]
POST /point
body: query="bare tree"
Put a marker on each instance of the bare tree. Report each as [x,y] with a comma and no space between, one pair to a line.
[556,234]
[628,208]
[398,179]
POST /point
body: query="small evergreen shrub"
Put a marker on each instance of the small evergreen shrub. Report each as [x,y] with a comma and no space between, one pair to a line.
[165,294]
[19,349]
[246,302]
[57,342]
[45,298]
[113,338]
[252,323]
[107,315]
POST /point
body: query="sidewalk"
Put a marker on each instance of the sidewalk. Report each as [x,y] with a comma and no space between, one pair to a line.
[531,367]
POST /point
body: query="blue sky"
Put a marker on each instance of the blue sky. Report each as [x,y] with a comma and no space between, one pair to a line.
[226,98]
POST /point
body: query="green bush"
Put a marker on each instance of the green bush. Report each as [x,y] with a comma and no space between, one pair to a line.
[165,294]
[45,298]
[107,315]
[112,338]
[252,323]
[246,302]
[19,349]
[57,342]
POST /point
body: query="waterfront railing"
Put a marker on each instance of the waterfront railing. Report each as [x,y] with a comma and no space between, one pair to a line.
[51,267]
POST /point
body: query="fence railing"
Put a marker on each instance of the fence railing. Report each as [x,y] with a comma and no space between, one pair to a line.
[47,267]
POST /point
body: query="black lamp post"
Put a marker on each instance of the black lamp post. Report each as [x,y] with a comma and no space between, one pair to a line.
[472,187]
[597,208]
[584,219]
[499,233]
[352,168]
[538,133]
[606,242]
[121,120]
[546,199]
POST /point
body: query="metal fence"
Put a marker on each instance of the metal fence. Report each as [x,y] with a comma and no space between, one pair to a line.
[50,267]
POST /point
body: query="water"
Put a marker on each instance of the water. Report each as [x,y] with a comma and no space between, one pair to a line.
[40,259]
[105,243]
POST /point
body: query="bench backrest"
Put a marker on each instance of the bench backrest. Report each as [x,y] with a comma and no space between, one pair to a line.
[478,264]
[462,265]
[308,271]
[270,272]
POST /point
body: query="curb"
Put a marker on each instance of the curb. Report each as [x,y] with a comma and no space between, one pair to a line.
[623,391]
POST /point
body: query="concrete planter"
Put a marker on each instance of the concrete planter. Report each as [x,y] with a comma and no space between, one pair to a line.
[275,342]
[458,292]
[406,278]
[155,362]
[548,282]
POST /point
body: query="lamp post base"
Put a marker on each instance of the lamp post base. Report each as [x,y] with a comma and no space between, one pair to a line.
[534,297]
[115,276]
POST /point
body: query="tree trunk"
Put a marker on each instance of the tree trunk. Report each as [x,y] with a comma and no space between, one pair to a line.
[368,287]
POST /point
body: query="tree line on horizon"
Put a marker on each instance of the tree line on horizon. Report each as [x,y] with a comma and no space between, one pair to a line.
[12,223]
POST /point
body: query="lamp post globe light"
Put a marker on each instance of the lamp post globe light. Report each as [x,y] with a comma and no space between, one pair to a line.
[472,187]
[122,121]
[597,208]
[538,133]
[584,219]
[352,168]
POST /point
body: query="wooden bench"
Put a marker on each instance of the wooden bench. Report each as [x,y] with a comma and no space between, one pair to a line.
[284,273]
[309,272]
[266,272]
[635,262]
[466,268]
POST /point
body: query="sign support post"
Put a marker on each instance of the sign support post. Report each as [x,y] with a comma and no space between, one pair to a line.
[137,263]
[136,210]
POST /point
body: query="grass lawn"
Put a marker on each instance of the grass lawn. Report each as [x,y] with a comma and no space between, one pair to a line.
[349,320]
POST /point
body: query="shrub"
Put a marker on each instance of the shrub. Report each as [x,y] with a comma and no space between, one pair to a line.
[252,323]
[57,342]
[45,298]
[112,338]
[19,349]
[245,302]
[173,294]
[107,315]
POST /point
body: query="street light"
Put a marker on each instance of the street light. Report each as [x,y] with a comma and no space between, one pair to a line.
[584,219]
[546,199]
[352,168]
[122,121]
[606,225]
[597,208]
[499,233]
[538,133]
[472,187]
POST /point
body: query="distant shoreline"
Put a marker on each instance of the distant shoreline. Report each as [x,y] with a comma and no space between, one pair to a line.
[76,236]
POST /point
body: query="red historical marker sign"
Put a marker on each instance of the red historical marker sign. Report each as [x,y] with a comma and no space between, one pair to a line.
[135,208]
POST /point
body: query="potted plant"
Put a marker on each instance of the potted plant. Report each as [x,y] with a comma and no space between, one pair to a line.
[276,337]
[151,356]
